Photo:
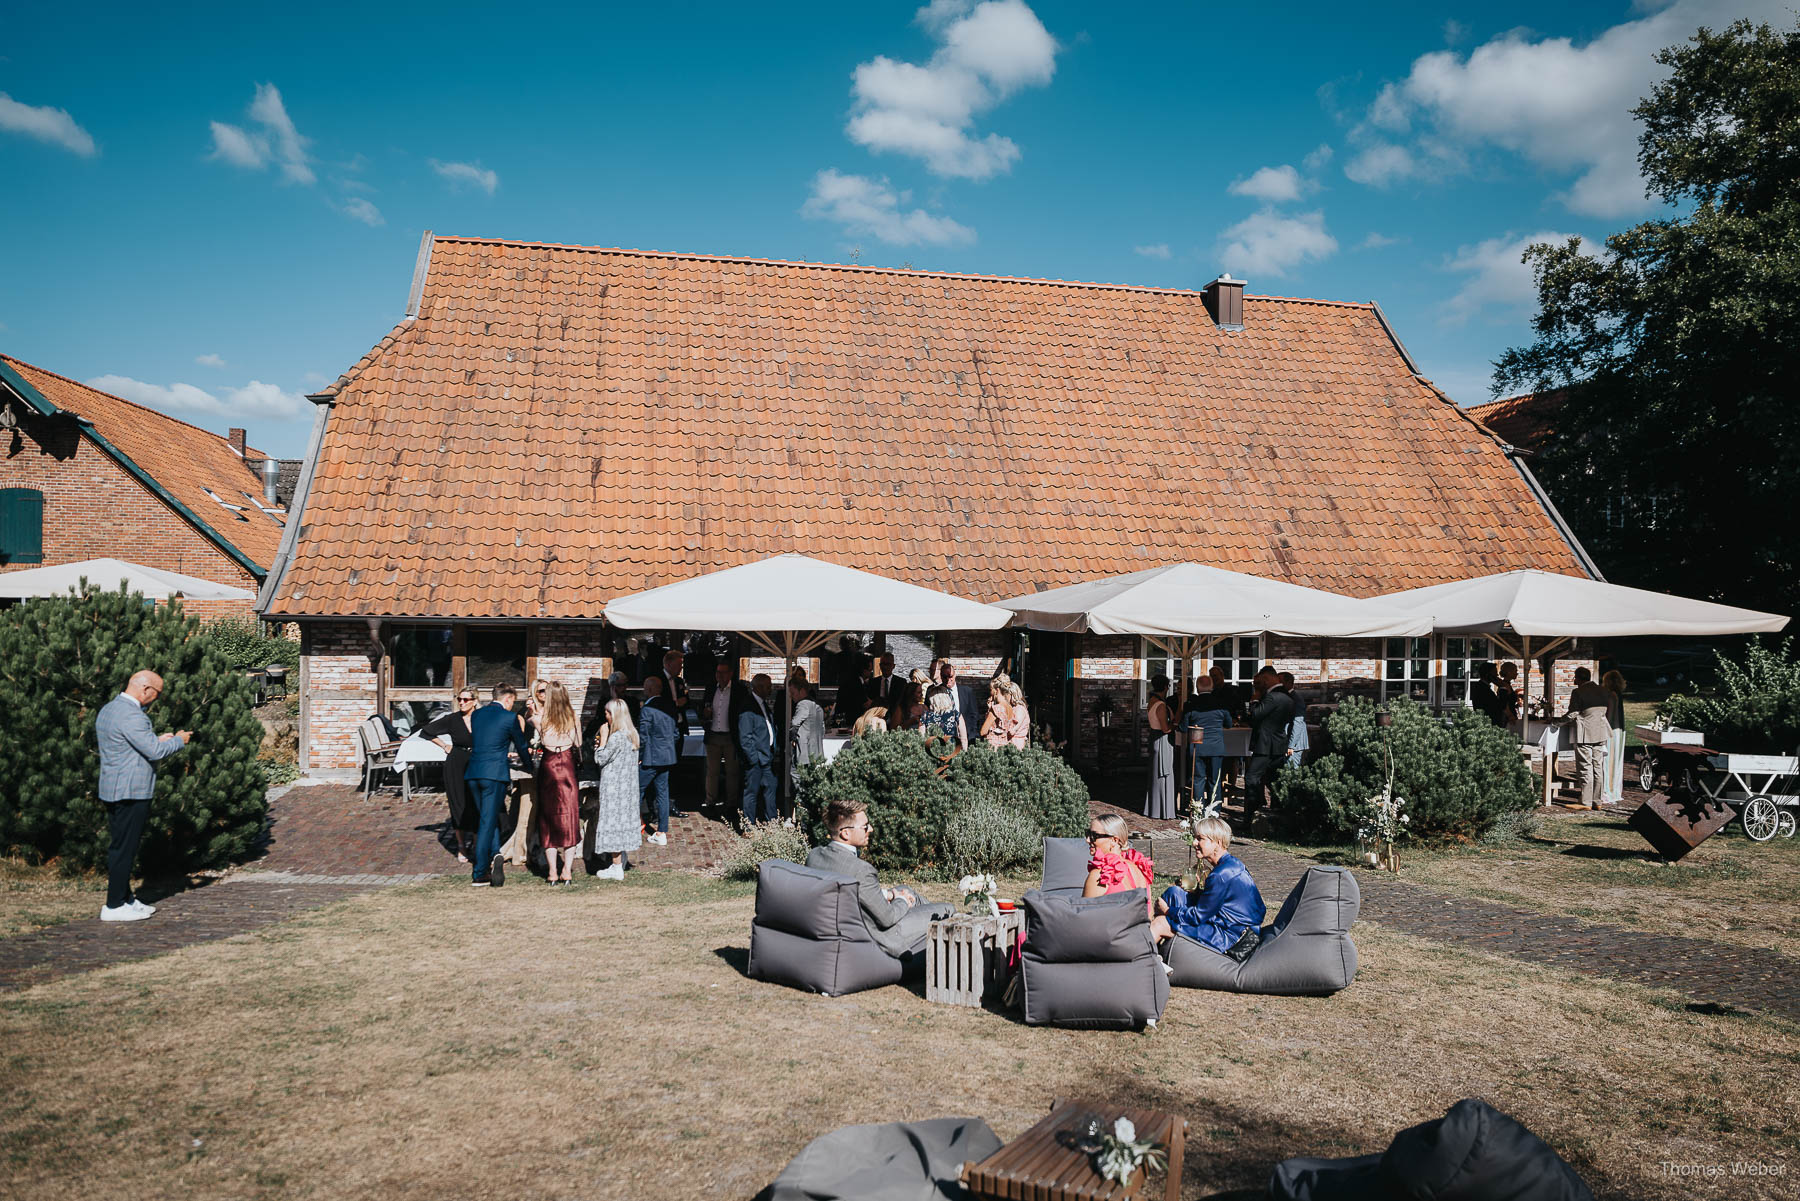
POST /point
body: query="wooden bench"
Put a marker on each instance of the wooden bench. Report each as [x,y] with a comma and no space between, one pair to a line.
[1049,1163]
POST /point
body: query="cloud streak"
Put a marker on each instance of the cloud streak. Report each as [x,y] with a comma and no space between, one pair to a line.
[467,175]
[254,400]
[46,124]
[274,142]
[1497,277]
[1272,185]
[872,208]
[1271,243]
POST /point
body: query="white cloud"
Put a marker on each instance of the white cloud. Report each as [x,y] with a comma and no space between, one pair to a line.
[1318,156]
[359,208]
[209,360]
[1271,184]
[254,400]
[472,175]
[986,52]
[870,207]
[46,124]
[1382,164]
[1269,243]
[1375,241]
[1497,276]
[275,141]
[1158,251]
[1561,106]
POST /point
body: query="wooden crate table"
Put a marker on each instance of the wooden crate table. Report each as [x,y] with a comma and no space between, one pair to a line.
[965,956]
[1046,1164]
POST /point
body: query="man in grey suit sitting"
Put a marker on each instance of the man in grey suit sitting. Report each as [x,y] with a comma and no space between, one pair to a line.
[129,751]
[896,918]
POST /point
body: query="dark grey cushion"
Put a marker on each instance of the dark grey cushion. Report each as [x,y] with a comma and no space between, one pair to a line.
[896,1161]
[808,933]
[1305,951]
[1065,866]
[1091,962]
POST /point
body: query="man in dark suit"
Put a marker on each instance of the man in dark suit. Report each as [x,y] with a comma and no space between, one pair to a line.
[721,705]
[494,731]
[1271,726]
[853,692]
[962,697]
[659,738]
[675,689]
[756,741]
[881,690]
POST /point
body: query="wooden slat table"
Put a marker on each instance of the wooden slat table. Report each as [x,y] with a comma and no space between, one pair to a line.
[1045,1164]
[965,956]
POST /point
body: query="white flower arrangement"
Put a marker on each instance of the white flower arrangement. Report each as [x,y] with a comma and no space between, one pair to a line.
[978,893]
[1122,1153]
[1388,819]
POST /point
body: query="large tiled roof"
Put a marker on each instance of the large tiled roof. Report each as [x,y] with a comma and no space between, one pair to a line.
[185,460]
[560,425]
[1526,421]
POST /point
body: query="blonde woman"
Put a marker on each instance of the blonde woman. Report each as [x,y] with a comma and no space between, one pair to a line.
[1019,732]
[873,721]
[617,830]
[558,794]
[996,727]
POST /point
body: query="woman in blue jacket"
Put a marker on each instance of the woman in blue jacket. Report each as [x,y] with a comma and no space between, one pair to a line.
[1227,907]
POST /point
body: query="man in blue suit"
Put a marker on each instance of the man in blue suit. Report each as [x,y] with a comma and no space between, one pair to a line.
[129,752]
[756,742]
[493,732]
[659,734]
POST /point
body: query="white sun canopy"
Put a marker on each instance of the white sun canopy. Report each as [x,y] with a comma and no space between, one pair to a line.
[105,575]
[1188,600]
[1538,604]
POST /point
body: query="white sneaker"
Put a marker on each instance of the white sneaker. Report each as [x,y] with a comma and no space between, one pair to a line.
[147,910]
[125,913]
[615,872]
[661,840]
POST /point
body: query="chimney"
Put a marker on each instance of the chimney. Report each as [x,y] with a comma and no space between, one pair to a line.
[1225,301]
[271,471]
[235,436]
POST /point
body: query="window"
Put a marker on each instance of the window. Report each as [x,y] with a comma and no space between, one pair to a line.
[1239,658]
[422,657]
[21,525]
[1407,669]
[1463,658]
[494,657]
[1158,663]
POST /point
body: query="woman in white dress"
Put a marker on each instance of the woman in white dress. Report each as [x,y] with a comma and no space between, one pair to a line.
[617,830]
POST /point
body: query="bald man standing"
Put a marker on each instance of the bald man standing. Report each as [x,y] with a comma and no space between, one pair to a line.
[129,751]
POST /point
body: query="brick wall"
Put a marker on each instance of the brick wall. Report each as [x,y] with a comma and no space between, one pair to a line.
[94,510]
[338,662]
[576,656]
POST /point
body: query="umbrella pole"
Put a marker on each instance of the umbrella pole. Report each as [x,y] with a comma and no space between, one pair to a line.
[787,727]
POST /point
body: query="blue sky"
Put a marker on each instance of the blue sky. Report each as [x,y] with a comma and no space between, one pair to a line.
[215,212]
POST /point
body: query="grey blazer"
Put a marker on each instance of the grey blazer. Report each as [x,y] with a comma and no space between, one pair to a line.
[129,750]
[883,916]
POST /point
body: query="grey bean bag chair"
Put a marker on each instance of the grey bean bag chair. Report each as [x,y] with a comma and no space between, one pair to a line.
[1091,962]
[1065,866]
[1305,952]
[1473,1153]
[808,933]
[898,1161]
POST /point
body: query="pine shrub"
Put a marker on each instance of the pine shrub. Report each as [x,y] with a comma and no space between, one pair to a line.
[1756,710]
[61,660]
[1458,779]
[1047,791]
[896,775]
[742,861]
[247,648]
[991,836]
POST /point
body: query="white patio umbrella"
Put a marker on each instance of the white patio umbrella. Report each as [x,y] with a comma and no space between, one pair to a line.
[790,605]
[106,575]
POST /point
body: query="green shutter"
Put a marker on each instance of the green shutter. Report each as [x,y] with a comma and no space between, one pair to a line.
[21,525]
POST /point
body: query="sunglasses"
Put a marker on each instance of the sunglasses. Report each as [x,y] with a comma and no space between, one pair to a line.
[1097,835]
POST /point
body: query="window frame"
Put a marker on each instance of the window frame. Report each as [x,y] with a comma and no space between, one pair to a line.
[1468,662]
[1411,679]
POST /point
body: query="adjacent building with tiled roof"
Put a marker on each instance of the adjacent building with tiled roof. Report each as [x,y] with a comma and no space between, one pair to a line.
[552,426]
[1526,422]
[85,474]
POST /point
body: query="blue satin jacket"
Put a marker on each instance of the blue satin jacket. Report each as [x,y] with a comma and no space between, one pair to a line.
[1227,905]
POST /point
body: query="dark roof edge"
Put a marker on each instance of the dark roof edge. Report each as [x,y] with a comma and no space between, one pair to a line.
[1388,327]
[290,533]
[1516,458]
[43,404]
[420,269]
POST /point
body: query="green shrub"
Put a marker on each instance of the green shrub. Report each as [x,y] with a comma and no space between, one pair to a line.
[896,775]
[776,843]
[1757,708]
[241,641]
[61,660]
[991,836]
[1457,779]
[1036,783]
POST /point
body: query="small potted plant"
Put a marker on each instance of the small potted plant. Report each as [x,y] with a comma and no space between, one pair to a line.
[978,894]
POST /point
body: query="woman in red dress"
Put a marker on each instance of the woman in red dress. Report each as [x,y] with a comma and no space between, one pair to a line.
[1114,865]
[558,794]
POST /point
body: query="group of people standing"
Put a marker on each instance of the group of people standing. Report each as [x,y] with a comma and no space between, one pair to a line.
[1278,739]
[936,703]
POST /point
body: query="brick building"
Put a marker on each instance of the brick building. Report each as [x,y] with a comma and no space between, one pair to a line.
[551,426]
[86,475]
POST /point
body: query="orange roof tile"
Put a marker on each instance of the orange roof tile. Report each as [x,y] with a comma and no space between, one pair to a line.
[1525,421]
[561,424]
[184,459]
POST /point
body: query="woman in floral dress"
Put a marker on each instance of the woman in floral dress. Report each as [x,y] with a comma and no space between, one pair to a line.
[617,830]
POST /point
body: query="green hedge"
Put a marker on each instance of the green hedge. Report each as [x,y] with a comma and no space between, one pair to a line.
[1756,710]
[61,660]
[1458,780]
[246,648]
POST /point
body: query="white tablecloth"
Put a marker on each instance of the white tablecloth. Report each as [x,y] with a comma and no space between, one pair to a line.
[417,749]
[833,746]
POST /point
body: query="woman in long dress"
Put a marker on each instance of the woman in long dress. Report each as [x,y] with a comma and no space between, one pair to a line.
[996,727]
[1018,729]
[558,793]
[1159,800]
[617,831]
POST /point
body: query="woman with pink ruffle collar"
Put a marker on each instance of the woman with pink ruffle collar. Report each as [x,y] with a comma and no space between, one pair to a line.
[1114,866]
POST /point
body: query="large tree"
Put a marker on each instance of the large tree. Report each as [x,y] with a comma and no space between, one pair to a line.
[1677,455]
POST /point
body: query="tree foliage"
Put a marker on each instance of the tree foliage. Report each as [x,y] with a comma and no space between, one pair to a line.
[1679,441]
[1458,779]
[247,648]
[1756,709]
[1037,784]
[61,660]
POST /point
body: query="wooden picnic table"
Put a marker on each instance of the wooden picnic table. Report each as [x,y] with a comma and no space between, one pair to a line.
[1047,1162]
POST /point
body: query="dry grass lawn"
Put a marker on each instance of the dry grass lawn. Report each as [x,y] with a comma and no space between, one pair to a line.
[1595,867]
[33,896]
[602,1042]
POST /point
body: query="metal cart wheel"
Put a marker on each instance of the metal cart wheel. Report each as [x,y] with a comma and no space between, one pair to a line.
[1647,771]
[1760,818]
[1786,823]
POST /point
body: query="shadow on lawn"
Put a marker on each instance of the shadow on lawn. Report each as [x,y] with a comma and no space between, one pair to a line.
[1585,851]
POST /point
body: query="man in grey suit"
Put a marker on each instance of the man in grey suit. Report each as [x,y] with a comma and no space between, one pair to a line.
[1588,708]
[896,918]
[129,751]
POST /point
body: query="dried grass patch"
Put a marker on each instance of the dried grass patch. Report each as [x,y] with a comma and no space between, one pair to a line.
[33,896]
[602,1042]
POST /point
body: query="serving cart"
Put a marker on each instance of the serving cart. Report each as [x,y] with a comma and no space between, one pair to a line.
[1763,789]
